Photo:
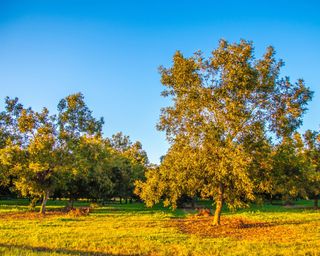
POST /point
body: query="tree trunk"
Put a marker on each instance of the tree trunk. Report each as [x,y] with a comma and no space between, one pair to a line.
[192,203]
[44,202]
[70,203]
[316,201]
[271,200]
[219,203]
[33,203]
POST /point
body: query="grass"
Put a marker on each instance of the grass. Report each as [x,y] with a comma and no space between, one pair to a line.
[133,229]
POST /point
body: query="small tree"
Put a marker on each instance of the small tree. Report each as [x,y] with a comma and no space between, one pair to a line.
[312,157]
[10,139]
[31,151]
[289,169]
[94,157]
[129,163]
[75,123]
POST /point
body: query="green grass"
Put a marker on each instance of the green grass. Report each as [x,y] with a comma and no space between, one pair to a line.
[133,229]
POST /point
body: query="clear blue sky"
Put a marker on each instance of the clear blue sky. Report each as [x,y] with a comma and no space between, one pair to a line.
[110,51]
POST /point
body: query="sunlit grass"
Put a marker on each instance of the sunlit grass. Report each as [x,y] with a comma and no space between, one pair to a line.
[133,229]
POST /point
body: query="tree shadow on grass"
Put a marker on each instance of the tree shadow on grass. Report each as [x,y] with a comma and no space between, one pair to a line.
[242,228]
[58,250]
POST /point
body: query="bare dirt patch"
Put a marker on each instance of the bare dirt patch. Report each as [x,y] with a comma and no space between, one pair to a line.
[236,227]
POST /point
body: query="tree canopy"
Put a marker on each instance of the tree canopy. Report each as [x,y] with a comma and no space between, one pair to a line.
[226,110]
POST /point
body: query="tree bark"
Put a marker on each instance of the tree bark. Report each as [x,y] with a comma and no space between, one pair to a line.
[44,202]
[192,203]
[33,203]
[219,203]
[70,203]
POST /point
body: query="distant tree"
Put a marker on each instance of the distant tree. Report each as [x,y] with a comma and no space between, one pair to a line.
[296,171]
[75,124]
[139,163]
[10,138]
[31,153]
[10,156]
[95,157]
[289,167]
[129,164]
[225,109]
[312,157]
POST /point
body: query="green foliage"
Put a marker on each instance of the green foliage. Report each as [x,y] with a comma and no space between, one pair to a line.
[296,162]
[81,143]
[75,118]
[65,155]
[129,164]
[31,150]
[288,169]
[311,153]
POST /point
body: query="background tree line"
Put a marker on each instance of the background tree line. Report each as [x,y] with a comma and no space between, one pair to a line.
[65,155]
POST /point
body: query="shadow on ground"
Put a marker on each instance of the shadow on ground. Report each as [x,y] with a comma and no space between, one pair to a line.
[58,250]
